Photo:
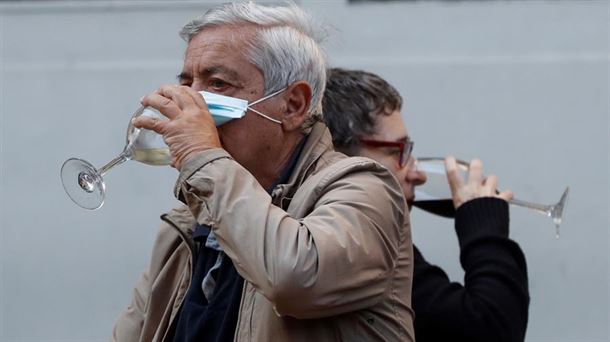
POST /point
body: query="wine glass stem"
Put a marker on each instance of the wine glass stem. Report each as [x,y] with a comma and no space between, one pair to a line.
[123,157]
[543,209]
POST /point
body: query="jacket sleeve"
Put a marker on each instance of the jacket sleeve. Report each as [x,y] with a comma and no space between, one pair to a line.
[338,258]
[492,305]
[128,326]
[136,322]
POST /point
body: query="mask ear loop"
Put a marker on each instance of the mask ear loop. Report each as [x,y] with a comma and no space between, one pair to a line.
[265,116]
[263,99]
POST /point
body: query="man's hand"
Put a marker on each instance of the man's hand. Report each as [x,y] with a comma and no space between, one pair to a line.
[475,187]
[190,128]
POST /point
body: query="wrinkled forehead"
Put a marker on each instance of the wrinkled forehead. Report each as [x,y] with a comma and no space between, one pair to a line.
[226,38]
[224,46]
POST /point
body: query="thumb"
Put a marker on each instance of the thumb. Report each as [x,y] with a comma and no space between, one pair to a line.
[506,195]
[453,176]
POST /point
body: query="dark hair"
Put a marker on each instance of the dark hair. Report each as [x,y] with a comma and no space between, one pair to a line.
[352,101]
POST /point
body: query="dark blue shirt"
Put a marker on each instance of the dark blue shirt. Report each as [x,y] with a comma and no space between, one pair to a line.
[214,320]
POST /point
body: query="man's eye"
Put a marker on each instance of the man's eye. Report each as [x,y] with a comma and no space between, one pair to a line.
[218,85]
[394,152]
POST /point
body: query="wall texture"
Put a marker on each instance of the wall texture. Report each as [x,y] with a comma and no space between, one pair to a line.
[521,84]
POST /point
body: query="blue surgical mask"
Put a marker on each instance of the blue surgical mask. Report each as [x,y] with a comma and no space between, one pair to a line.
[226,108]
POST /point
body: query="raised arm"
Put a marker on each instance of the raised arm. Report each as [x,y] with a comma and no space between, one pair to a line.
[492,305]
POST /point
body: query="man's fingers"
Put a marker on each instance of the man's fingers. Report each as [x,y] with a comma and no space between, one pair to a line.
[490,184]
[153,124]
[179,95]
[197,98]
[475,172]
[163,104]
[453,176]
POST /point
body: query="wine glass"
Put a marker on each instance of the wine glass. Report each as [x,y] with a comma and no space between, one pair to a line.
[435,196]
[84,184]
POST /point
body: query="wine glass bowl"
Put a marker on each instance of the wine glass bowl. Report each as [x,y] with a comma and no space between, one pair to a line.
[434,195]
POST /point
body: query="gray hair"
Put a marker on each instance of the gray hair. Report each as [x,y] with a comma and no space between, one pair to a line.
[352,103]
[285,48]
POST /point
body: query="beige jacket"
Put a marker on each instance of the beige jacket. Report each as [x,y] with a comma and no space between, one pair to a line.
[327,257]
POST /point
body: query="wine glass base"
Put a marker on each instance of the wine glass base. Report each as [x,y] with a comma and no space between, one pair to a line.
[83,183]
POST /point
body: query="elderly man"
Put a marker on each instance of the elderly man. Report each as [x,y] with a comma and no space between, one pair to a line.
[280,238]
[363,113]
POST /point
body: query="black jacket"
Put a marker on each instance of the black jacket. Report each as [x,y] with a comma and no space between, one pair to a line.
[492,305]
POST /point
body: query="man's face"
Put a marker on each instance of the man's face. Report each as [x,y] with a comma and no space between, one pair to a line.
[215,62]
[392,128]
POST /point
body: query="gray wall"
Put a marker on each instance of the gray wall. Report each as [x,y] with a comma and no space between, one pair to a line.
[521,84]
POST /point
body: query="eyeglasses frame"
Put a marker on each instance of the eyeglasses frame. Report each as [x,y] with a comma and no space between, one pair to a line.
[406,147]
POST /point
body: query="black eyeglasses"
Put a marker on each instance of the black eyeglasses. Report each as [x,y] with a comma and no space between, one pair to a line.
[405,147]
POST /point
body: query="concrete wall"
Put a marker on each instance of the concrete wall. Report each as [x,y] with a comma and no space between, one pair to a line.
[521,84]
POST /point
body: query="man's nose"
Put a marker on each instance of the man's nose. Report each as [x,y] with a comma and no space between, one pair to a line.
[197,84]
[414,176]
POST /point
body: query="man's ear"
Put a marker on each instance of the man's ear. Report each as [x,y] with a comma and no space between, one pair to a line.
[298,97]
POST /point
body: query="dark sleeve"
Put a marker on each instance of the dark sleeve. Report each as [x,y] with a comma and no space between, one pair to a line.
[492,305]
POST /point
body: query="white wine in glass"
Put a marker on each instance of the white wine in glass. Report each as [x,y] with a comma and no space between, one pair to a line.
[435,197]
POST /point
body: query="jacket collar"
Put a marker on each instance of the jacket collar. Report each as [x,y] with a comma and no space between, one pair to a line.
[319,141]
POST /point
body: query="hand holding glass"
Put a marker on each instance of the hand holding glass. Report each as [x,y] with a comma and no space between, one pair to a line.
[435,195]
